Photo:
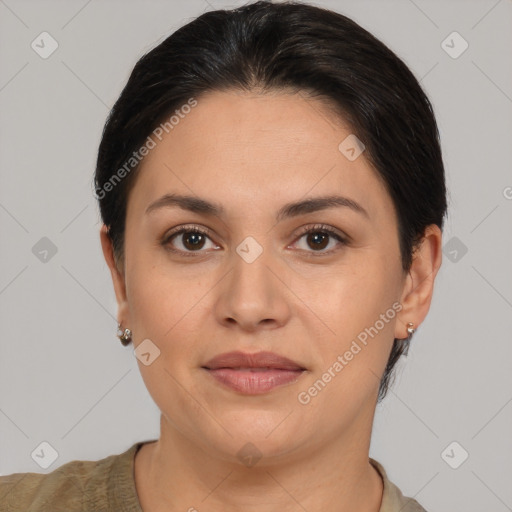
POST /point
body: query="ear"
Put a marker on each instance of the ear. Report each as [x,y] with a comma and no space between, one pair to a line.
[419,283]
[117,277]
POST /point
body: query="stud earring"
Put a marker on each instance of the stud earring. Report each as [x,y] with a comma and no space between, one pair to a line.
[410,329]
[125,335]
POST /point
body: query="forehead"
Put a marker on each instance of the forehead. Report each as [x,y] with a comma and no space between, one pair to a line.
[242,149]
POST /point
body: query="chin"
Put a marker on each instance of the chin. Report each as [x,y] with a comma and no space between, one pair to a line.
[269,433]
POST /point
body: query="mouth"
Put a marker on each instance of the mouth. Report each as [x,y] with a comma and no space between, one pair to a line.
[253,374]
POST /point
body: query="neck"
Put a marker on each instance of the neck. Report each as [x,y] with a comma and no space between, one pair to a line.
[175,474]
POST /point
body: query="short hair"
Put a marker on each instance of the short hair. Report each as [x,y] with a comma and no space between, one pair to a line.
[297,47]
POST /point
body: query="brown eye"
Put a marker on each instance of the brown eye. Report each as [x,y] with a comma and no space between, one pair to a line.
[193,240]
[318,240]
[318,237]
[187,240]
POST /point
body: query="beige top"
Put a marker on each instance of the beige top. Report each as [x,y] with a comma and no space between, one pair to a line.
[108,485]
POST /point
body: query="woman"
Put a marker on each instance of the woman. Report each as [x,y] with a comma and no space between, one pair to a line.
[272,192]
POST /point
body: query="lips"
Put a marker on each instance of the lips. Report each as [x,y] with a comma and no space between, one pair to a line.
[253,373]
[259,360]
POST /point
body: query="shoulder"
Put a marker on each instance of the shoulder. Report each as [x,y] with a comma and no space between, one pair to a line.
[37,491]
[392,498]
[75,486]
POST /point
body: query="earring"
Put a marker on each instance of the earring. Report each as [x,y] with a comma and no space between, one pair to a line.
[410,329]
[124,335]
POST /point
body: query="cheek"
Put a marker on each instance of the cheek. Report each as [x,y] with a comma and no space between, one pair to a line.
[355,293]
[358,307]
[164,308]
[350,361]
[167,303]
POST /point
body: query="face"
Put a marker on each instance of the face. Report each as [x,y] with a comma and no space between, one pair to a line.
[255,280]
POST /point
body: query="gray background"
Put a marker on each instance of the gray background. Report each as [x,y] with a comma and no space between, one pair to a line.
[65,378]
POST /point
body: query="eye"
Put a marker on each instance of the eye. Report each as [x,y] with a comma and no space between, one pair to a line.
[189,239]
[317,237]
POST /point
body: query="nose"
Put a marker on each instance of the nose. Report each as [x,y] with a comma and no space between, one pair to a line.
[253,295]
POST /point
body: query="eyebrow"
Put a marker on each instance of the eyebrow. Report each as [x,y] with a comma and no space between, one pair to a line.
[202,206]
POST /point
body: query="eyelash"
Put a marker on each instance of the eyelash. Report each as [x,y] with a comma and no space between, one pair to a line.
[317,228]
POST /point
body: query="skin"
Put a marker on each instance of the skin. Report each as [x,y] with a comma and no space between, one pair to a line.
[252,153]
